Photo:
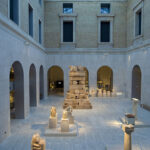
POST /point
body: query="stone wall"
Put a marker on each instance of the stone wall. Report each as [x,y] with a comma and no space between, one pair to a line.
[38,13]
[86,23]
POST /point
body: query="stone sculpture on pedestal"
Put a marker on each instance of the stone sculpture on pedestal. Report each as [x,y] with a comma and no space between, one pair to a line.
[69,114]
[134,107]
[128,129]
[53,118]
[65,122]
[37,143]
[77,97]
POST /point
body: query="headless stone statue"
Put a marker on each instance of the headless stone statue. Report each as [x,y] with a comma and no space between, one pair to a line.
[53,118]
[65,114]
[53,112]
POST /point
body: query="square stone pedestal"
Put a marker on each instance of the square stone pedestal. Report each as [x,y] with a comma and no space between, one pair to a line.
[65,125]
[52,122]
[71,118]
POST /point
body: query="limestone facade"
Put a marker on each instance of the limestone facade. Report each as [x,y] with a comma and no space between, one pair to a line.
[125,52]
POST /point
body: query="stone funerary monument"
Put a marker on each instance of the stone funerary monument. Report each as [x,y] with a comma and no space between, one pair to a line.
[77,96]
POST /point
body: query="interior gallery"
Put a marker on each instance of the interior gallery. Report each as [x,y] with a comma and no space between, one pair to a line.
[75,74]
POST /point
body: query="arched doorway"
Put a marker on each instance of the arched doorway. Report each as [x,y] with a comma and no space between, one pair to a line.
[86,78]
[136,82]
[105,78]
[41,82]
[32,86]
[55,81]
[16,91]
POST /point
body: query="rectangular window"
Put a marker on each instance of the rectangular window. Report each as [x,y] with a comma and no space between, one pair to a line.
[40,32]
[105,8]
[30,21]
[40,2]
[14,11]
[68,31]
[67,8]
[105,31]
[138,23]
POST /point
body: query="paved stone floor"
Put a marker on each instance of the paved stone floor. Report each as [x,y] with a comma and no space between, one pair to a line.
[98,127]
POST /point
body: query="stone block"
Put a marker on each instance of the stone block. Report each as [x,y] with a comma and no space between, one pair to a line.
[52,122]
[65,125]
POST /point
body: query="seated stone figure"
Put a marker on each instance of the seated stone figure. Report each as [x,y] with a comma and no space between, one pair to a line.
[53,112]
[37,143]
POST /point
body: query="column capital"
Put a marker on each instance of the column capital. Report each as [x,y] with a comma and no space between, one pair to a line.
[127,128]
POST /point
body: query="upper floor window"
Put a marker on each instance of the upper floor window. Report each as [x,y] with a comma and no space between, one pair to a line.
[40,2]
[67,8]
[30,21]
[105,31]
[138,20]
[14,11]
[68,31]
[40,32]
[105,8]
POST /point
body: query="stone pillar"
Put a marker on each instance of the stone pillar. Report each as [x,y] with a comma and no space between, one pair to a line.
[134,106]
[128,129]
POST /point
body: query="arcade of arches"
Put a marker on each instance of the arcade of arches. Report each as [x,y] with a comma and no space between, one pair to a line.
[56,84]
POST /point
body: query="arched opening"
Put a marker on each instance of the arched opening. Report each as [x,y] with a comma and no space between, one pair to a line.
[136,82]
[86,78]
[16,91]
[105,78]
[55,81]
[41,75]
[32,85]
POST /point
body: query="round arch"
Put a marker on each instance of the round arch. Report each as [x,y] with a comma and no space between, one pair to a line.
[32,85]
[41,82]
[55,80]
[105,78]
[136,82]
[86,78]
[16,78]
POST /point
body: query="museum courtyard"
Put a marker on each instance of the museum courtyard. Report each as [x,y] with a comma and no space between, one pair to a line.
[98,128]
[74,74]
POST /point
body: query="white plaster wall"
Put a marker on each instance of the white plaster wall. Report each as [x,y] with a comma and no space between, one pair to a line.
[141,58]
[13,48]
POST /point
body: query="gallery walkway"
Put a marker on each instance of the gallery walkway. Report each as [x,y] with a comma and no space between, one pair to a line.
[98,127]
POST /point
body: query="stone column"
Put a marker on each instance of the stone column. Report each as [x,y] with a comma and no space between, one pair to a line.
[134,106]
[128,129]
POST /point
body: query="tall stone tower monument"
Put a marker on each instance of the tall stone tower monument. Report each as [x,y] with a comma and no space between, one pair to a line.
[77,97]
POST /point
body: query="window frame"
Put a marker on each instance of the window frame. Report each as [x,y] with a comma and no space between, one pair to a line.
[105,18]
[40,30]
[63,31]
[63,8]
[65,18]
[19,13]
[136,9]
[109,8]
[29,5]
[40,2]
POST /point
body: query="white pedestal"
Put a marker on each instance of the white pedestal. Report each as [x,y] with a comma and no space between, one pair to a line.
[134,106]
[64,125]
[52,122]
[104,93]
